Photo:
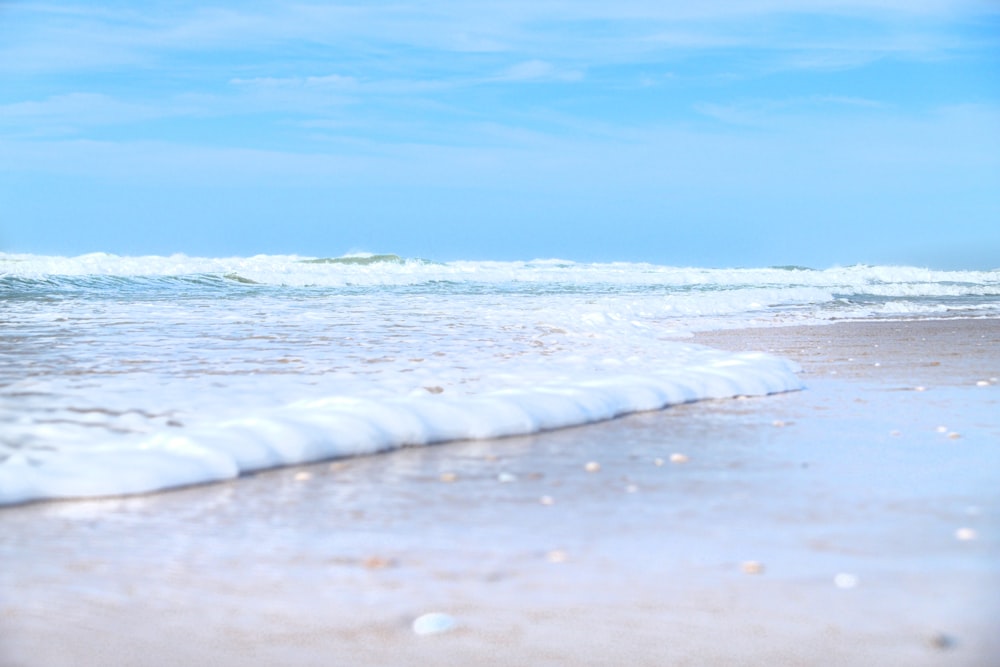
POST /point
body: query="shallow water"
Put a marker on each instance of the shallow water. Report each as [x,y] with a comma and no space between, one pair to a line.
[125,375]
[847,496]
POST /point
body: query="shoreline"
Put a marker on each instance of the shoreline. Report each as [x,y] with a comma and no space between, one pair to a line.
[820,526]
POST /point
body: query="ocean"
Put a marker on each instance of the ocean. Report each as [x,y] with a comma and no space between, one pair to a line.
[125,375]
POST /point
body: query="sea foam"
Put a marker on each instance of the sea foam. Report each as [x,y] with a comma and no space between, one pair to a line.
[131,374]
[58,463]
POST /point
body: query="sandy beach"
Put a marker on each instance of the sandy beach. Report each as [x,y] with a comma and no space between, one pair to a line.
[856,522]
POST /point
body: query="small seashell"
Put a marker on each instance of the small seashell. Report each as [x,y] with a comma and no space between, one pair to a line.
[965,534]
[547,500]
[941,429]
[983,383]
[557,556]
[302,476]
[506,478]
[433,623]
[845,580]
[778,423]
[679,458]
[954,436]
[592,466]
[448,477]
[752,567]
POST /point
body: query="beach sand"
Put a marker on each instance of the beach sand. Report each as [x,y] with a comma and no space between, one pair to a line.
[856,522]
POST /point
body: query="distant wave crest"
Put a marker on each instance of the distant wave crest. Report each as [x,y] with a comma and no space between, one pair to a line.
[356,260]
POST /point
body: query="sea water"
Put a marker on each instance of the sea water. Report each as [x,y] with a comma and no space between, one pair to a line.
[132,374]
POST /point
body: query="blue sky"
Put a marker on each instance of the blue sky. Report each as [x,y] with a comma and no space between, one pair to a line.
[728,133]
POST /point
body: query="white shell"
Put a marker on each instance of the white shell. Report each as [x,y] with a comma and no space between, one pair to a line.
[433,623]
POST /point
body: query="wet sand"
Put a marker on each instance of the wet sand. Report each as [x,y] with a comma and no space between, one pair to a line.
[856,522]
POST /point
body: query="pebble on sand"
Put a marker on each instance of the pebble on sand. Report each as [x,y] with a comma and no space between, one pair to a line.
[679,458]
[302,476]
[448,477]
[377,563]
[547,500]
[942,641]
[592,466]
[506,478]
[752,567]
[845,580]
[433,623]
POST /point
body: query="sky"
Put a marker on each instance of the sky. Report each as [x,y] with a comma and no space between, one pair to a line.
[725,133]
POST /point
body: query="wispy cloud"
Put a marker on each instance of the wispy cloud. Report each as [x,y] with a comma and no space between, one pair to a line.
[70,112]
[852,150]
[74,36]
[326,81]
[383,74]
[538,70]
[761,112]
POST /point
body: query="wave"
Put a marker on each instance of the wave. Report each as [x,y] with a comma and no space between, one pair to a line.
[317,429]
[133,374]
[358,260]
[240,279]
[665,291]
[294,269]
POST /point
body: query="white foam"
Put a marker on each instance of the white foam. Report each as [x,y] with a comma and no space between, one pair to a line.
[293,270]
[339,426]
[123,375]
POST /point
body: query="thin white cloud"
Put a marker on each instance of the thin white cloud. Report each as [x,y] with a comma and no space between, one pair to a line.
[68,113]
[71,38]
[326,81]
[760,112]
[365,67]
[832,151]
[538,70]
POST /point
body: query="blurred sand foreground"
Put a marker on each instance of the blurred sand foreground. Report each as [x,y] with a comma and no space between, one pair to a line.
[854,523]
